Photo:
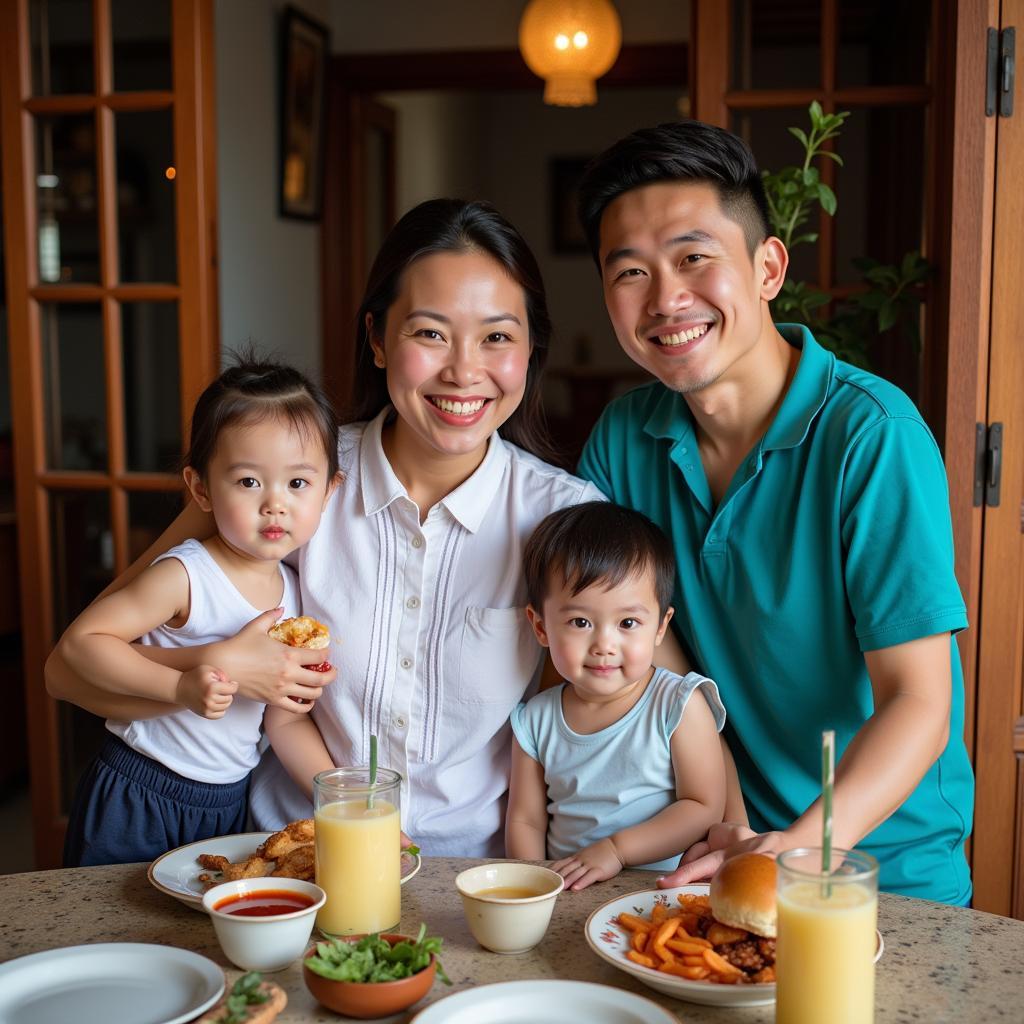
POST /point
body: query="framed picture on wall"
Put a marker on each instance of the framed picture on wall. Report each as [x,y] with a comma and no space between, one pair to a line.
[303,88]
[564,174]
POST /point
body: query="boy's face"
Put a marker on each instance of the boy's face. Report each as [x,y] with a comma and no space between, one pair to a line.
[684,295]
[602,639]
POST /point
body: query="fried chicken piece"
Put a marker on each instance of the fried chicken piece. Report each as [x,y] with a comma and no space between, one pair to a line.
[280,844]
[212,862]
[300,863]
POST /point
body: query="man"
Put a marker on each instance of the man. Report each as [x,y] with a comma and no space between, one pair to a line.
[807,503]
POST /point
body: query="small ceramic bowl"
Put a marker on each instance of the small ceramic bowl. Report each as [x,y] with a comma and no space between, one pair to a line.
[508,906]
[266,943]
[368,999]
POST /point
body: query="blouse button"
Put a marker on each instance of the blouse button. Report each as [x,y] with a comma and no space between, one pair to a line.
[417,542]
[406,663]
[413,602]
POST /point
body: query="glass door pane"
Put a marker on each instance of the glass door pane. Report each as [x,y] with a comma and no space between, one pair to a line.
[61,42]
[142,44]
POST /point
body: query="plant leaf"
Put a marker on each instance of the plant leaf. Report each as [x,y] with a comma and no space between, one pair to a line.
[827,198]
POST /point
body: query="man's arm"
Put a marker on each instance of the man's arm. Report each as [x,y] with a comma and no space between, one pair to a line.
[883,763]
[298,744]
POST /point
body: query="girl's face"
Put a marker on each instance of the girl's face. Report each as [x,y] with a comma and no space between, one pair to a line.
[266,486]
[456,346]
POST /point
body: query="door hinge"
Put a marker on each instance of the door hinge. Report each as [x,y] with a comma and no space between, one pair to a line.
[988,464]
[1002,68]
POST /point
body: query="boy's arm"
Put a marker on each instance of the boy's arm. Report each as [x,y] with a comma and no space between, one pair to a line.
[298,744]
[526,824]
[700,800]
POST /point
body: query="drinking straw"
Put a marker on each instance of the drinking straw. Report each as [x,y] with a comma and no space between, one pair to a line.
[828,779]
[373,771]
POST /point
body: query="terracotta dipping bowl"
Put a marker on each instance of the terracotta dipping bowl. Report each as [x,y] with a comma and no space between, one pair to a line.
[368,999]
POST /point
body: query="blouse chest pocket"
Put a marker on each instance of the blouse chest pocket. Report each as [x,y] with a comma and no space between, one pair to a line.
[499,656]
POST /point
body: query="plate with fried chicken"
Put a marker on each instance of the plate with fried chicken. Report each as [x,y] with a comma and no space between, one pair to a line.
[188,871]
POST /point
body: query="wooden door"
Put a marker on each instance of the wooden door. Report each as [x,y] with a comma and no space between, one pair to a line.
[999,819]
[359,210]
[106,116]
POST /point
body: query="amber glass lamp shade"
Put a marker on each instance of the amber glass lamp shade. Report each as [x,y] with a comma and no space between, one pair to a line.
[570,44]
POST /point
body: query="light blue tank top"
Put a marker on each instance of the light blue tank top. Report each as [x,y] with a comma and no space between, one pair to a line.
[616,778]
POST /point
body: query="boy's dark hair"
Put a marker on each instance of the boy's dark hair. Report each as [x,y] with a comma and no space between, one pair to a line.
[597,542]
[256,389]
[684,151]
[456,225]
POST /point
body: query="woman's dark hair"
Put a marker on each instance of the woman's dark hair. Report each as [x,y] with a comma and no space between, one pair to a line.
[455,225]
[684,151]
[254,389]
[597,542]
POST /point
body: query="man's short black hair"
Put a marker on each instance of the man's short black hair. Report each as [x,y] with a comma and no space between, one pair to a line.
[683,151]
[597,542]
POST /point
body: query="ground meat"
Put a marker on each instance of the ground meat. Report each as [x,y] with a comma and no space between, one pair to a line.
[744,955]
[766,947]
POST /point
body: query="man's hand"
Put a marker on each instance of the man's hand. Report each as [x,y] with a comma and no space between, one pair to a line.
[724,840]
[206,691]
[595,863]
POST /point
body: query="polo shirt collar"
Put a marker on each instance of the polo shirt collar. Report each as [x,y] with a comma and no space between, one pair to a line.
[807,391]
[468,503]
[671,417]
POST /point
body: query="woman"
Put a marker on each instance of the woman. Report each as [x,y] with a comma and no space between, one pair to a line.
[417,564]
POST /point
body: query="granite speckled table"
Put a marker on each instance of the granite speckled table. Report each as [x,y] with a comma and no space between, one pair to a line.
[940,964]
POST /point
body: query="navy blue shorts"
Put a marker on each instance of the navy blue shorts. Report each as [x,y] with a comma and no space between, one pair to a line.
[128,807]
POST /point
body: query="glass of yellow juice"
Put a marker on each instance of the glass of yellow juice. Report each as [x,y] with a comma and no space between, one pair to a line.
[358,855]
[825,952]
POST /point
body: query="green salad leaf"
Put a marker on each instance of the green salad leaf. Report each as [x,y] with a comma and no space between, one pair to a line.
[244,993]
[373,959]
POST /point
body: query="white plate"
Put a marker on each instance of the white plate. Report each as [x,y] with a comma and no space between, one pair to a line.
[544,1002]
[127,982]
[610,941]
[177,871]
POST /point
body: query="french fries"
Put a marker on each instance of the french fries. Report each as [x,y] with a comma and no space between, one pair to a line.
[682,942]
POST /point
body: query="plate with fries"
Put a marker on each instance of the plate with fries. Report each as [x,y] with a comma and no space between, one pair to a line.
[610,932]
[178,872]
[610,938]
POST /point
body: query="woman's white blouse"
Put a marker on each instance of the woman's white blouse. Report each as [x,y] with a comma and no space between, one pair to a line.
[429,635]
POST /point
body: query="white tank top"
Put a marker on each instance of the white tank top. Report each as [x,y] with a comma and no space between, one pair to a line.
[222,750]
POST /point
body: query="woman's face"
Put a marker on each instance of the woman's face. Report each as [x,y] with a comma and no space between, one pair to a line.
[455,346]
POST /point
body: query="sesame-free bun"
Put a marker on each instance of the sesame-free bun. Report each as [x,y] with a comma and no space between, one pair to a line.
[302,631]
[743,894]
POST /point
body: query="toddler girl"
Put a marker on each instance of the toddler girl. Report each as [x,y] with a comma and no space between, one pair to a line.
[263,459]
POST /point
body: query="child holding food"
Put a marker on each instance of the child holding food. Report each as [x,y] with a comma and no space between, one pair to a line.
[263,460]
[617,767]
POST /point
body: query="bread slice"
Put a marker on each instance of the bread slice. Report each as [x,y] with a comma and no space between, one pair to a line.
[255,1013]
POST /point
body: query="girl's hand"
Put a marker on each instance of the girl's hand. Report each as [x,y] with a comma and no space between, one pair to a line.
[206,691]
[595,863]
[269,671]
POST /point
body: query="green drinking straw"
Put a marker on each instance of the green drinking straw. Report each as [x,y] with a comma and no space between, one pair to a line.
[373,770]
[828,780]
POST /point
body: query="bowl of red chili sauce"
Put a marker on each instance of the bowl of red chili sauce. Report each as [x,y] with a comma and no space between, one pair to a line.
[263,924]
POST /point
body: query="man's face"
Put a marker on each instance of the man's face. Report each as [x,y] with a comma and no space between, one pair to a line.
[683,293]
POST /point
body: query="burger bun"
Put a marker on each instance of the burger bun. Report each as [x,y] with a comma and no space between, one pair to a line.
[743,894]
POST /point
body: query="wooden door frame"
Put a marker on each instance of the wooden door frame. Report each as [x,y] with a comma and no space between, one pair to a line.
[192,102]
[349,76]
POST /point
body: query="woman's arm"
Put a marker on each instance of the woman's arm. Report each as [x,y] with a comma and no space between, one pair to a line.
[700,779]
[298,744]
[526,823]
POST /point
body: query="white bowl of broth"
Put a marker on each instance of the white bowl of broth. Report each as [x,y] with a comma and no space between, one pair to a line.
[508,906]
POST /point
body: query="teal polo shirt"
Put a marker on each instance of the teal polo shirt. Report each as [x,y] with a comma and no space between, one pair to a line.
[833,539]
